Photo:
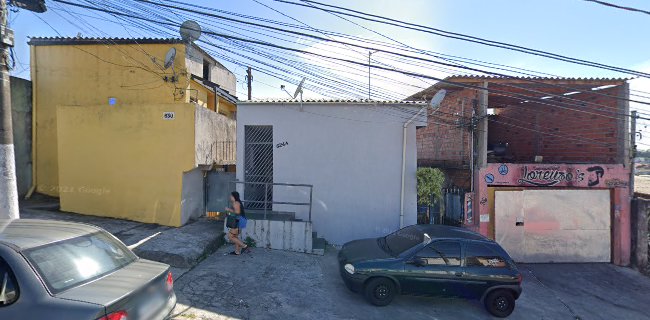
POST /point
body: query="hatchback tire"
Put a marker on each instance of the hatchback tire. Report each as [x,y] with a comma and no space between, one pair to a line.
[500,303]
[380,291]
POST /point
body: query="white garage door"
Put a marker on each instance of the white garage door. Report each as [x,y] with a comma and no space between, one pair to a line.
[554,225]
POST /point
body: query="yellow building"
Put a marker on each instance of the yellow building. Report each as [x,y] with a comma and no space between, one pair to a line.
[117,134]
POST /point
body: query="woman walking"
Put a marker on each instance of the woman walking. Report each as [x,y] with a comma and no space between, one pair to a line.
[237,211]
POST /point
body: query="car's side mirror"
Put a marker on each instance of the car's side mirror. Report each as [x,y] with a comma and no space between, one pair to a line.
[418,262]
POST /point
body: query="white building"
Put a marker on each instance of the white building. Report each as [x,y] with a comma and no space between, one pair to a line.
[350,151]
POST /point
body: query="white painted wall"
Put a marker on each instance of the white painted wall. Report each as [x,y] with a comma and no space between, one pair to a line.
[352,155]
[210,129]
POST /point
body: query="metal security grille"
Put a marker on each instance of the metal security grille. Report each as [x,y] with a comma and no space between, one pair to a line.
[258,166]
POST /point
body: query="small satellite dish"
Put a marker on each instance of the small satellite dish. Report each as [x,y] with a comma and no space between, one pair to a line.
[190,31]
[299,89]
[169,58]
[437,98]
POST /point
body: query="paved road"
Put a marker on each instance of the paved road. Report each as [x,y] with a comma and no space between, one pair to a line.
[270,284]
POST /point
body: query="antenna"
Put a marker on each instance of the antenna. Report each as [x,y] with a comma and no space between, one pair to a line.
[299,89]
[437,99]
[169,58]
[190,31]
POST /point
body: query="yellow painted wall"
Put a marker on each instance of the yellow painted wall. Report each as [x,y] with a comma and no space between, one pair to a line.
[125,161]
[84,75]
[226,108]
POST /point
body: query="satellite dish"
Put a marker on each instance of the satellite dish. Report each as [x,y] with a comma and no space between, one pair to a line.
[190,31]
[169,58]
[437,98]
[299,89]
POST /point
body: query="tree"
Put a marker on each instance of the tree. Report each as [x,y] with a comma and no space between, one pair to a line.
[430,181]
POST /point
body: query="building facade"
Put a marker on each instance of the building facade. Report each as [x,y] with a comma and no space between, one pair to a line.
[544,163]
[351,152]
[117,134]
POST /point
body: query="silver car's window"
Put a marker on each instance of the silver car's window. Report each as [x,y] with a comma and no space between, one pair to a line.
[69,263]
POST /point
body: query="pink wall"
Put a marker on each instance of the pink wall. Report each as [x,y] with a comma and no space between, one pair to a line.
[583,176]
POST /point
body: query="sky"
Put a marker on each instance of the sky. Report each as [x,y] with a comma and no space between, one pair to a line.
[574,28]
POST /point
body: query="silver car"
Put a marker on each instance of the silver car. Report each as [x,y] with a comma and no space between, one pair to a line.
[63,270]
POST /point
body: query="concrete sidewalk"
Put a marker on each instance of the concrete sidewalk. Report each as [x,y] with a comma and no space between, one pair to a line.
[182,248]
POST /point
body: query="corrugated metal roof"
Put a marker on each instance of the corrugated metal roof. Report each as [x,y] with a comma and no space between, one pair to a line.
[482,77]
[334,101]
[49,41]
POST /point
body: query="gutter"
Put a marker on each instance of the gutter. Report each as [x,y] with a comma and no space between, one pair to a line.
[401,199]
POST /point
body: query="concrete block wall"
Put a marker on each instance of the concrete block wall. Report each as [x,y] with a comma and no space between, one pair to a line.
[282,235]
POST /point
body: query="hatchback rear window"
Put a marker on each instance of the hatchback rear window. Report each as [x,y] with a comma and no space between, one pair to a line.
[479,255]
[69,263]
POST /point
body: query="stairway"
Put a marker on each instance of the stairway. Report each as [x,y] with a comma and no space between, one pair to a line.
[283,231]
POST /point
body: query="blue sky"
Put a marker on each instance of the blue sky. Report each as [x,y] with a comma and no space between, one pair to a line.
[574,28]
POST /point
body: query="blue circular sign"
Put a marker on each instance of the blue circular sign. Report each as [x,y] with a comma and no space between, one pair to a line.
[503,169]
[489,178]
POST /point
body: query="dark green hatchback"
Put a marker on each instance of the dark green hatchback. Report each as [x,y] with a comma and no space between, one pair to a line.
[432,260]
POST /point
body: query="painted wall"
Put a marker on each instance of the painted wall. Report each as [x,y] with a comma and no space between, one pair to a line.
[212,129]
[125,161]
[193,197]
[218,73]
[350,153]
[579,176]
[21,116]
[85,75]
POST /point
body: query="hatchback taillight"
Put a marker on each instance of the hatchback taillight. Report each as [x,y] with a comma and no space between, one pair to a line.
[520,278]
[117,315]
[170,281]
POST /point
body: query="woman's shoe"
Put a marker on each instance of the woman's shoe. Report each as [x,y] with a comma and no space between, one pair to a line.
[234,253]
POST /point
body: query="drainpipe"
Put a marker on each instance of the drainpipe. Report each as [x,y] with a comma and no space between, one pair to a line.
[401,199]
[434,103]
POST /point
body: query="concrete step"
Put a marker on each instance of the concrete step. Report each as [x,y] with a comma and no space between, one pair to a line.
[318,246]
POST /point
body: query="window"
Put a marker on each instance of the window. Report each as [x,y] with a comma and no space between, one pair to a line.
[69,263]
[8,285]
[480,255]
[403,239]
[206,70]
[441,253]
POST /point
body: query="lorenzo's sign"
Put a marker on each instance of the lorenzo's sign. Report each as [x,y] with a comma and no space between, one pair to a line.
[549,176]
[540,175]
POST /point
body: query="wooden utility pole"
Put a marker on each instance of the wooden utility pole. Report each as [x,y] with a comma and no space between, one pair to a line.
[8,186]
[249,80]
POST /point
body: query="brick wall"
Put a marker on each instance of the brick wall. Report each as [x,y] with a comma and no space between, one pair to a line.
[588,134]
[441,143]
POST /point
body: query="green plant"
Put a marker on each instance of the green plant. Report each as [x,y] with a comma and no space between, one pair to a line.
[250,242]
[430,181]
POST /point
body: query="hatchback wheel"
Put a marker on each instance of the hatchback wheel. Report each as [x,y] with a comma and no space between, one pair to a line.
[500,303]
[380,291]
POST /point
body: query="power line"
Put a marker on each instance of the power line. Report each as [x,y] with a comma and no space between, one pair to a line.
[359,46]
[464,37]
[609,4]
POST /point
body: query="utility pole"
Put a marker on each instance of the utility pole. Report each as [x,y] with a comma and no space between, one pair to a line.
[632,150]
[369,54]
[249,79]
[8,187]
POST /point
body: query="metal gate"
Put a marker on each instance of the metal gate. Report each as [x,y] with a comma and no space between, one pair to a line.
[454,211]
[258,166]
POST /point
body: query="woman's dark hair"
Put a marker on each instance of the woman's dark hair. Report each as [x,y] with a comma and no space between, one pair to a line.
[235,195]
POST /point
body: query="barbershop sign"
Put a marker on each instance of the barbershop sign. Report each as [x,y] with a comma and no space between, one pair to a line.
[539,175]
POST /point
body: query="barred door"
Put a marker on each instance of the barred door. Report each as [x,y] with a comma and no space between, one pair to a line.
[258,166]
